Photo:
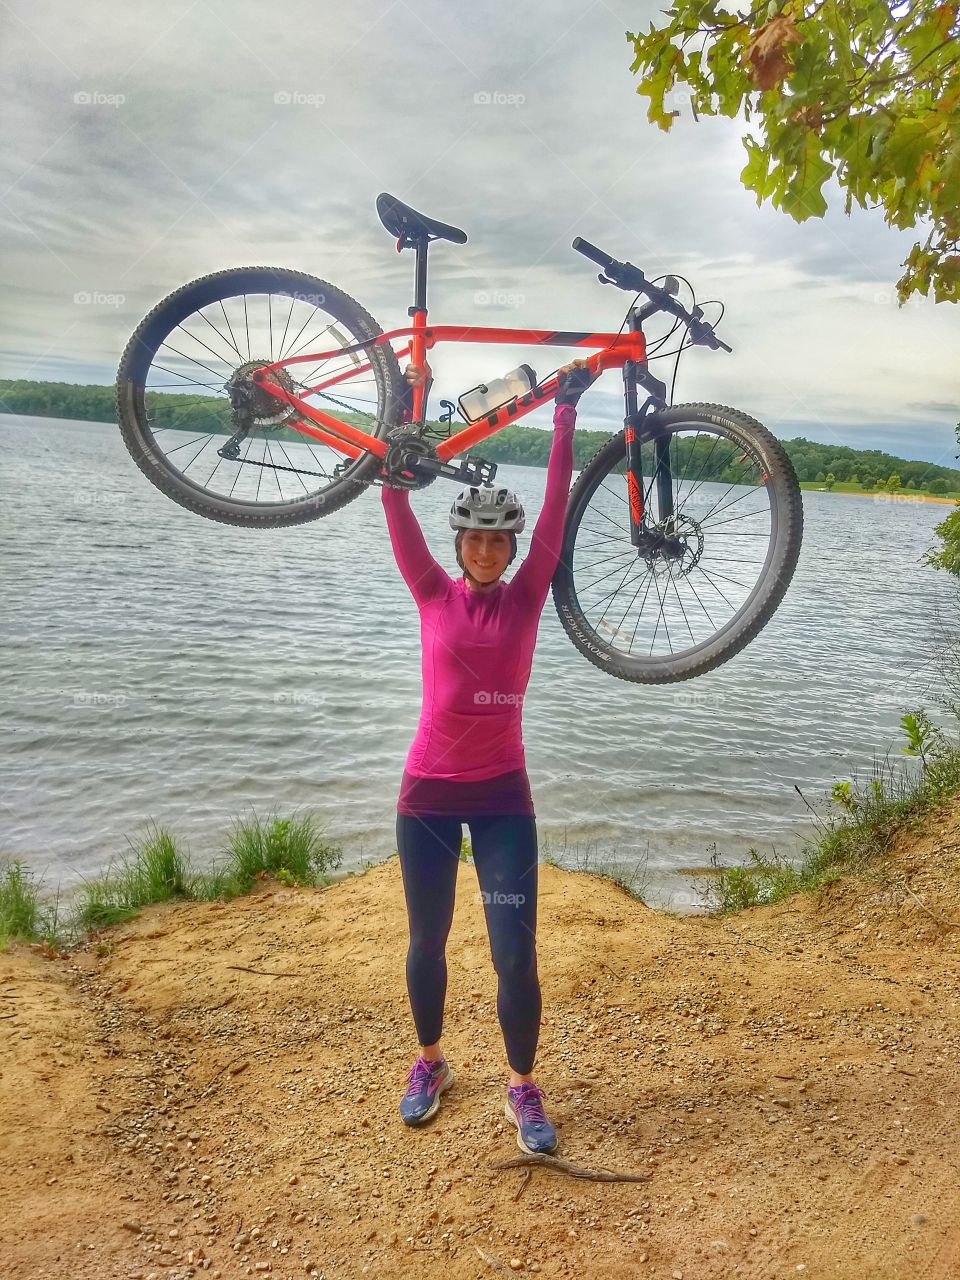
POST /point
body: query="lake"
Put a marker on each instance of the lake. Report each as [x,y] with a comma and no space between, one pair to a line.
[161,666]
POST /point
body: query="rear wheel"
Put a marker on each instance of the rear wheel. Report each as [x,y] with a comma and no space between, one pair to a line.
[708,577]
[176,414]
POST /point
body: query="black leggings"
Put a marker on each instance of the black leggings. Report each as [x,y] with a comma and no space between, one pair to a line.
[505,856]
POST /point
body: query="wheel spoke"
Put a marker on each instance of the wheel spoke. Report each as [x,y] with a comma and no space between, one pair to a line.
[215,372]
[229,342]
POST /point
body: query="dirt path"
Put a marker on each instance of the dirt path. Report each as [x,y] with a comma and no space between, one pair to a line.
[790,1078]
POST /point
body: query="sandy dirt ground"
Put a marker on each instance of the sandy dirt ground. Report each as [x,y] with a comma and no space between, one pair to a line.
[212,1089]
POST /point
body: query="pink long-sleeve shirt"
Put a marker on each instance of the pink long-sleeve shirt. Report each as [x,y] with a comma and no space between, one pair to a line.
[477,646]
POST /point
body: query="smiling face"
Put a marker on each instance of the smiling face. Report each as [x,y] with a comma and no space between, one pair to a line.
[485,554]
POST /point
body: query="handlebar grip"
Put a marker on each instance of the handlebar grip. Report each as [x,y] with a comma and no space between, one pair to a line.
[592,252]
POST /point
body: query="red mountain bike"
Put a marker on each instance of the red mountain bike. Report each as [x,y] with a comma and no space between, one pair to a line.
[682,532]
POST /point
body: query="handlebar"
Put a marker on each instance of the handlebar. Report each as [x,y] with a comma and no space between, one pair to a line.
[626,276]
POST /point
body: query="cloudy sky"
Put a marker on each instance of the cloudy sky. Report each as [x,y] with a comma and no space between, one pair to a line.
[148,144]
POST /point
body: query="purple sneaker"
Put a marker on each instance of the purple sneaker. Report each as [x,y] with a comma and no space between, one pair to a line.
[535,1134]
[427,1081]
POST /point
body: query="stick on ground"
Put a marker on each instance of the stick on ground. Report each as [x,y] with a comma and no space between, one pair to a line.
[574,1170]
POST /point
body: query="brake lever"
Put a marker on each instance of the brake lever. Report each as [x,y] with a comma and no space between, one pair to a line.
[605,279]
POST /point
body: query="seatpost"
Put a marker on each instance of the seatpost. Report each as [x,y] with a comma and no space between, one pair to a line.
[420,288]
[418,313]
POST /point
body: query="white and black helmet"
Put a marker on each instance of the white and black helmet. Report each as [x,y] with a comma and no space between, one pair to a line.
[487,506]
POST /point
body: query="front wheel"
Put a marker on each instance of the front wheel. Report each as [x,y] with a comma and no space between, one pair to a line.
[710,572]
[175,409]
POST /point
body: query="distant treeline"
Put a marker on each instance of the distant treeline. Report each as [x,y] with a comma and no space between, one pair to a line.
[525,446]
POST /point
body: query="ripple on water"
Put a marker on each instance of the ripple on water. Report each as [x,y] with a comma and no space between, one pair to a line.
[159,665]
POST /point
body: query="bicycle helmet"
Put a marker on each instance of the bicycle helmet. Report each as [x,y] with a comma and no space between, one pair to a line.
[487,506]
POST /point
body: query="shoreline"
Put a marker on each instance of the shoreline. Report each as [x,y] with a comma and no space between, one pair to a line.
[810,486]
[583,433]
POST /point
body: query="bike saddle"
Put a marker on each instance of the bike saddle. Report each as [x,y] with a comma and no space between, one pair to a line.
[409,226]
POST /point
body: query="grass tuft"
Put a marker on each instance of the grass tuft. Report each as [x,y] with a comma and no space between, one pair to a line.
[23,915]
[291,849]
[155,870]
[19,903]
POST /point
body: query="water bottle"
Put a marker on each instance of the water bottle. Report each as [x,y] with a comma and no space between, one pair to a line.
[486,397]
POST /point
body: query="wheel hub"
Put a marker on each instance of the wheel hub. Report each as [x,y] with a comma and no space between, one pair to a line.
[265,409]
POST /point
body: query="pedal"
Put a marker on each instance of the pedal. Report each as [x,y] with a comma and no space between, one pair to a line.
[471,471]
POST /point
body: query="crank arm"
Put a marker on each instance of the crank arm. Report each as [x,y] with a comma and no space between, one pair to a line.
[470,470]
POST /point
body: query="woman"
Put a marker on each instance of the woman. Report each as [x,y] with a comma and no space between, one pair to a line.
[466,762]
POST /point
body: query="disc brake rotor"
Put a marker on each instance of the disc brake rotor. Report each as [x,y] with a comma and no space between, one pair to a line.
[674,551]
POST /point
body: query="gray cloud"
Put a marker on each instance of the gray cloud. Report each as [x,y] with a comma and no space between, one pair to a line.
[198,168]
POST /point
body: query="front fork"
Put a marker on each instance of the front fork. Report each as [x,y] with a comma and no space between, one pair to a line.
[634,374]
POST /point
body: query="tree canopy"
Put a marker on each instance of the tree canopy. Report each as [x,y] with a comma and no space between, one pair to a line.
[516,443]
[866,90]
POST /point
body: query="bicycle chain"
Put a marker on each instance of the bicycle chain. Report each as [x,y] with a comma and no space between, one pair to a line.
[322,475]
[278,466]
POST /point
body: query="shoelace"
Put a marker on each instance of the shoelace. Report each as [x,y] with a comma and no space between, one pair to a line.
[420,1073]
[528,1103]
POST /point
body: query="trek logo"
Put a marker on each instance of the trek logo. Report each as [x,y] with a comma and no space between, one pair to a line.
[528,399]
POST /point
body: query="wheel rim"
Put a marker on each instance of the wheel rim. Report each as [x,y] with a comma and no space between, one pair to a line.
[190,352]
[696,580]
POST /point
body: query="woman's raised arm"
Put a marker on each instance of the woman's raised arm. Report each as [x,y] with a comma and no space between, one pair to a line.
[532,579]
[425,577]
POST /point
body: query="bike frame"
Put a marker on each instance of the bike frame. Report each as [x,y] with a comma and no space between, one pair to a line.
[616,351]
[626,351]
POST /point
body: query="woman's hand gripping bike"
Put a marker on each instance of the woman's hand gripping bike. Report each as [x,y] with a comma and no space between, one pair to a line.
[264,397]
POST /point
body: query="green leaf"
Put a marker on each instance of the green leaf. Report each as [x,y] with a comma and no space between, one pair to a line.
[657,85]
[755,174]
[803,197]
